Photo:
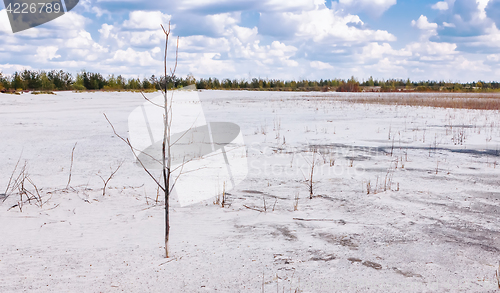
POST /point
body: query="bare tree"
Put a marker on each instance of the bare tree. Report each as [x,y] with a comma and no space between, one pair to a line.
[166,183]
[166,145]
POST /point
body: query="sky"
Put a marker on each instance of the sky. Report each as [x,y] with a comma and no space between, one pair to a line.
[450,40]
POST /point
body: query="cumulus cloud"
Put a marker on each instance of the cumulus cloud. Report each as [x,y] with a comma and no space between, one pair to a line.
[320,65]
[424,24]
[423,49]
[291,39]
[464,18]
[442,5]
[133,57]
[320,25]
[13,67]
[386,65]
[4,22]
[47,53]
[493,57]
[224,6]
[492,10]
[378,51]
[373,7]
[146,20]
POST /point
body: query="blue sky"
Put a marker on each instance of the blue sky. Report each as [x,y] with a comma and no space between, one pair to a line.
[451,40]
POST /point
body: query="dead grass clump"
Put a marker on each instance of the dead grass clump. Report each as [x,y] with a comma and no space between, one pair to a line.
[23,186]
[221,197]
[296,202]
[308,180]
[436,100]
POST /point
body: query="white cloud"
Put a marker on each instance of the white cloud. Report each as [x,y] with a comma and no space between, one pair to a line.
[155,51]
[442,5]
[70,21]
[47,53]
[482,6]
[292,5]
[245,34]
[493,57]
[4,22]
[100,12]
[320,65]
[204,44]
[292,39]
[491,39]
[14,67]
[464,19]
[423,24]
[377,51]
[432,48]
[105,30]
[133,57]
[387,65]
[205,64]
[374,7]
[464,64]
[261,5]
[322,25]
[146,20]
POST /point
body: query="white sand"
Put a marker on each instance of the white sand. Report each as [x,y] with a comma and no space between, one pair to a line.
[438,233]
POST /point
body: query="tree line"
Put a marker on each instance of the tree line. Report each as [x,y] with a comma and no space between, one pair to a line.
[62,81]
[59,80]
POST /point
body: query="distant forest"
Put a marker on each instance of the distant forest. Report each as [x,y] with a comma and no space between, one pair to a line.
[60,81]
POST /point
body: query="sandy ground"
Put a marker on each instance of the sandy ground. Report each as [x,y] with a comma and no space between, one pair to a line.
[405,199]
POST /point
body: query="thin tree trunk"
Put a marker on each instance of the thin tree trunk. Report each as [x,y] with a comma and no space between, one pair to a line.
[166,147]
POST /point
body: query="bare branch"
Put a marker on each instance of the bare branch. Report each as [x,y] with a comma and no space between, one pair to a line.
[10,179]
[176,58]
[71,166]
[175,181]
[135,155]
[39,199]
[109,178]
[144,96]
[315,220]
[185,132]
[255,209]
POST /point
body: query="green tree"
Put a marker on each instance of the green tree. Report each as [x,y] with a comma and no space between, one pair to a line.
[371,82]
[4,82]
[17,81]
[61,80]
[133,84]
[45,82]
[79,83]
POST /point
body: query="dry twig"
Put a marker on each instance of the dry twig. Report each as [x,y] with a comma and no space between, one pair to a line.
[106,181]
[71,166]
